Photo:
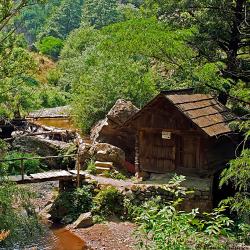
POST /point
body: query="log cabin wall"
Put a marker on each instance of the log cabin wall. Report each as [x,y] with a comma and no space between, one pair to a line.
[184,132]
[182,152]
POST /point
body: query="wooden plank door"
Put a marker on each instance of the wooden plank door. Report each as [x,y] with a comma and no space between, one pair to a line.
[156,154]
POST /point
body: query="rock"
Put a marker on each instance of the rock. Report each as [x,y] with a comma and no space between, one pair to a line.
[85,153]
[105,152]
[143,175]
[101,152]
[110,129]
[42,147]
[67,219]
[83,221]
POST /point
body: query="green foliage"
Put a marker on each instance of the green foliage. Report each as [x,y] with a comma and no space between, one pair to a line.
[30,166]
[72,203]
[91,167]
[99,77]
[3,148]
[221,35]
[65,18]
[53,77]
[33,18]
[114,174]
[17,215]
[50,46]
[161,225]
[167,228]
[99,13]
[108,202]
[17,82]
[51,96]
[238,174]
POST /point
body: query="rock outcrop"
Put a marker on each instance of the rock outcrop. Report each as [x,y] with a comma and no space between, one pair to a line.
[43,147]
[83,221]
[109,130]
[103,152]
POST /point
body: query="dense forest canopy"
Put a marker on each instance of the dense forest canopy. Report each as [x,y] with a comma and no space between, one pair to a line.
[131,46]
[89,53]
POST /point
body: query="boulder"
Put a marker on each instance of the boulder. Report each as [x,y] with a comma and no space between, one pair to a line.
[83,221]
[84,153]
[42,147]
[105,152]
[109,130]
[102,152]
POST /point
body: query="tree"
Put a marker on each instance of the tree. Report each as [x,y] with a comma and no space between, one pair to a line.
[65,18]
[238,174]
[50,46]
[99,13]
[32,19]
[99,77]
[9,9]
[222,34]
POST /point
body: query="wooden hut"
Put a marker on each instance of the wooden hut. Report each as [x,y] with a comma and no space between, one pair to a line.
[184,132]
[58,117]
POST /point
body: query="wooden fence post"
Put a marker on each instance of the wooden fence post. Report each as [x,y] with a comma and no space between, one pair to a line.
[22,168]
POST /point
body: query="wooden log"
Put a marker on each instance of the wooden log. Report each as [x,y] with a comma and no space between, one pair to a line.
[22,169]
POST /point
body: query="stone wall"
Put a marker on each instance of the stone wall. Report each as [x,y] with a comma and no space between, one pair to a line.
[195,199]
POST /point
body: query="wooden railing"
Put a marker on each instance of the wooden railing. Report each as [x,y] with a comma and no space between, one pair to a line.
[22,159]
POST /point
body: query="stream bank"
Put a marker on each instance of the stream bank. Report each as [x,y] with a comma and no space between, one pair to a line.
[109,236]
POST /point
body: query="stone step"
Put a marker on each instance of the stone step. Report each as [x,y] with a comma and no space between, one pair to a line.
[104,164]
[100,170]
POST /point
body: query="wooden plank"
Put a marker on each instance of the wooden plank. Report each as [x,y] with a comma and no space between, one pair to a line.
[74,172]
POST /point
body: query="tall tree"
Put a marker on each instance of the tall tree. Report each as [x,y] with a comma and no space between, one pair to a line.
[99,13]
[223,33]
[66,18]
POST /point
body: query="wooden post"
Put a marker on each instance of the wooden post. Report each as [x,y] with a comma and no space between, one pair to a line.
[78,141]
[22,168]
[137,154]
[78,171]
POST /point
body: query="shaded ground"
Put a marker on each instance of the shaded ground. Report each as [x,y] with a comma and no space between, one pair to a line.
[45,193]
[109,236]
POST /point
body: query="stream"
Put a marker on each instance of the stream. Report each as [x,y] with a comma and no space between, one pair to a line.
[57,239]
[66,240]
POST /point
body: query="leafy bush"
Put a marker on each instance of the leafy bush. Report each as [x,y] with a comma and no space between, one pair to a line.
[21,224]
[108,201]
[50,46]
[30,166]
[240,202]
[72,203]
[3,148]
[162,226]
[115,175]
[91,167]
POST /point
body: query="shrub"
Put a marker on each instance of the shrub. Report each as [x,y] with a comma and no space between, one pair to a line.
[162,226]
[108,201]
[30,166]
[115,175]
[72,203]
[19,223]
[50,46]
[91,167]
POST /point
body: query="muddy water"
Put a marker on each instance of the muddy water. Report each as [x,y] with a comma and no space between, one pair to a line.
[55,239]
[65,240]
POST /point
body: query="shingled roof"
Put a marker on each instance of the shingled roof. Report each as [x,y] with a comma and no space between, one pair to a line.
[204,110]
[57,112]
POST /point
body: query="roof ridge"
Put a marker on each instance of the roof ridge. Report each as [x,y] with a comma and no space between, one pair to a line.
[177,91]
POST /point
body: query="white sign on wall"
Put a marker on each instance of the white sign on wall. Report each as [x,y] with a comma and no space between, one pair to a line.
[166,135]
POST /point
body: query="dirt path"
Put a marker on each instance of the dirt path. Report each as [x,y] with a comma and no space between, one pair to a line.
[109,236]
